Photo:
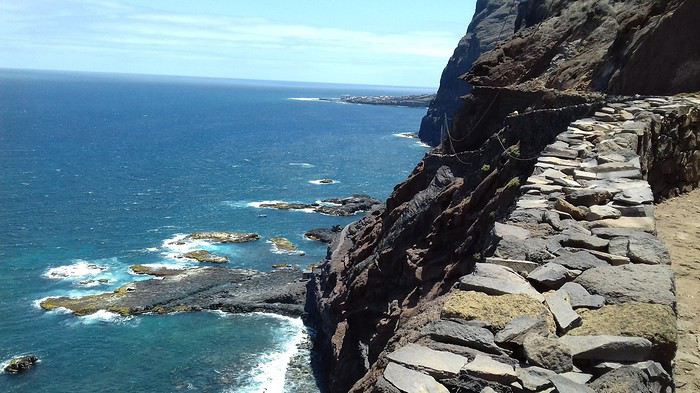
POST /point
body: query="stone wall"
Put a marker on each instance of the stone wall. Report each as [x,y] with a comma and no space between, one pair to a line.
[575,292]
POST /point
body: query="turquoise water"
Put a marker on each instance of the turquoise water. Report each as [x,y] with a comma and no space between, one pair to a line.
[104,170]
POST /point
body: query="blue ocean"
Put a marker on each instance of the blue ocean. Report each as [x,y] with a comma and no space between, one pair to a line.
[100,172]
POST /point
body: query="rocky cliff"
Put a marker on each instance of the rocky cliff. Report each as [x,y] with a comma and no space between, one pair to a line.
[386,275]
[493,21]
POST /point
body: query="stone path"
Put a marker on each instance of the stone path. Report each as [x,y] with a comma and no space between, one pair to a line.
[678,224]
[578,293]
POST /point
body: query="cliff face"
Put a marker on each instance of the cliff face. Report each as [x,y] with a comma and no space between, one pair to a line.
[387,272]
[493,21]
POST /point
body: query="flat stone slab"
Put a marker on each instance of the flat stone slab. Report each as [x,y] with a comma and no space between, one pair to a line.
[564,315]
[608,348]
[598,212]
[463,334]
[547,352]
[550,276]
[515,331]
[485,367]
[631,283]
[581,260]
[506,230]
[587,197]
[581,240]
[646,248]
[534,378]
[566,385]
[635,196]
[409,381]
[439,364]
[579,296]
[497,280]
[646,224]
[515,264]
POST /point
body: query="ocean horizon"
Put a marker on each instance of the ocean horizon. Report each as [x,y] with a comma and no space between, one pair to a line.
[101,172]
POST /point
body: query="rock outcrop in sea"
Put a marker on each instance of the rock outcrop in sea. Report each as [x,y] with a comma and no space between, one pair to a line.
[521,255]
[492,22]
[203,288]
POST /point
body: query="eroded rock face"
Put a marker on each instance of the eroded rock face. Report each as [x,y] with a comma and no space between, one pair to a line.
[492,22]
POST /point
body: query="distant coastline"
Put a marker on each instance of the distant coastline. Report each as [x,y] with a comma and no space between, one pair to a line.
[419,100]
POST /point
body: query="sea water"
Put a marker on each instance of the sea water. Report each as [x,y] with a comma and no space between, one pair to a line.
[99,172]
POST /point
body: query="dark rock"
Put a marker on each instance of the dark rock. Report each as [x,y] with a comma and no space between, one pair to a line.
[581,260]
[640,283]
[158,271]
[646,248]
[623,379]
[550,276]
[21,364]
[224,237]
[608,348]
[331,207]
[230,290]
[547,352]
[580,240]
[324,235]
[587,197]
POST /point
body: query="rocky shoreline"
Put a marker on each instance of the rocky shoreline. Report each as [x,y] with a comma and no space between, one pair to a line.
[281,291]
[349,206]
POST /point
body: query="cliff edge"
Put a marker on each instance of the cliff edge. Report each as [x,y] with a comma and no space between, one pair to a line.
[390,274]
[493,20]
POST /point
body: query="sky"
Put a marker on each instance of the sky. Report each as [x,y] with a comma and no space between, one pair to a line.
[378,42]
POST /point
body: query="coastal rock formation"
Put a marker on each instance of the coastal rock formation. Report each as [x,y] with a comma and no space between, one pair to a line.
[492,22]
[537,145]
[324,235]
[21,364]
[332,207]
[223,237]
[283,245]
[205,288]
[204,256]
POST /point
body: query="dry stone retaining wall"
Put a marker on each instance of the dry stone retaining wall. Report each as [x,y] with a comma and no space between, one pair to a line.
[577,293]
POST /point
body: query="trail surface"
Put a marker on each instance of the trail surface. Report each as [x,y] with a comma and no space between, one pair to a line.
[678,224]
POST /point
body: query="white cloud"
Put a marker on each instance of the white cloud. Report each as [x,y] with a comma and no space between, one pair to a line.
[115,28]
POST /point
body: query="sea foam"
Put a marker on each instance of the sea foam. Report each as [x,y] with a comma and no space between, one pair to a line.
[304,99]
[323,182]
[302,164]
[75,271]
[269,374]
